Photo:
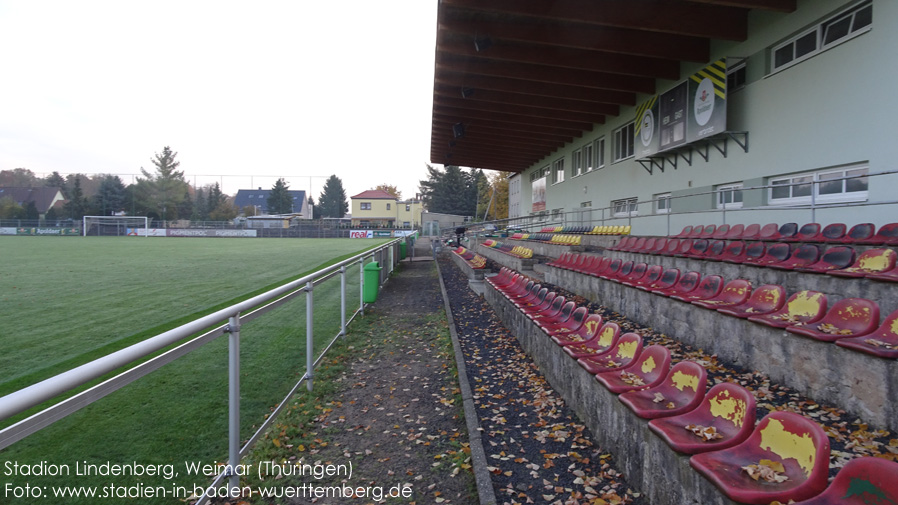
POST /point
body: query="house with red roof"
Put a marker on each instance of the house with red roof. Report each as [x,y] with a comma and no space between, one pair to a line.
[378,209]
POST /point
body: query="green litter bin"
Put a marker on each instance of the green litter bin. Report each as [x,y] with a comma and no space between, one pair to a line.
[402,250]
[372,281]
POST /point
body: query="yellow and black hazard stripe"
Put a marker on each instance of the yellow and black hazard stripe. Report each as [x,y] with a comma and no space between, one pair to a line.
[717,73]
[648,104]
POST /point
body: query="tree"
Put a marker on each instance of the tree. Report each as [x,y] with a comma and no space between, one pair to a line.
[55,180]
[389,188]
[18,178]
[225,211]
[77,204]
[451,191]
[499,183]
[200,210]
[161,193]
[31,211]
[9,209]
[215,198]
[279,201]
[332,201]
[316,211]
[110,197]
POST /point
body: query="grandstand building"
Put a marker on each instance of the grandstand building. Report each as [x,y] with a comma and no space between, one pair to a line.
[665,114]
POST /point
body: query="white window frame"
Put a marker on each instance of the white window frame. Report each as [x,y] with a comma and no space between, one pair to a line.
[586,205]
[600,152]
[625,207]
[735,70]
[662,203]
[577,163]
[558,171]
[588,155]
[729,189]
[364,205]
[623,142]
[819,32]
[816,180]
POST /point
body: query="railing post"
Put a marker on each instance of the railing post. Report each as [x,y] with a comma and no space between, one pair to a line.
[310,344]
[234,403]
[343,301]
[362,286]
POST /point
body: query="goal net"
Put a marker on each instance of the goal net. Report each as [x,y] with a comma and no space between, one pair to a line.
[115,226]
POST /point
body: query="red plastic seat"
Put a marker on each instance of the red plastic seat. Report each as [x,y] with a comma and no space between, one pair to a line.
[709,231]
[647,371]
[735,232]
[521,291]
[788,231]
[640,242]
[572,324]
[587,264]
[684,233]
[728,408]
[752,232]
[697,231]
[561,316]
[708,288]
[888,275]
[797,443]
[769,232]
[887,235]
[553,309]
[849,317]
[862,481]
[667,279]
[807,233]
[534,301]
[871,261]
[804,256]
[627,348]
[559,260]
[532,292]
[834,232]
[733,293]
[626,268]
[859,233]
[680,391]
[648,245]
[503,278]
[753,252]
[600,266]
[698,250]
[602,342]
[621,244]
[804,307]
[883,342]
[834,258]
[586,332]
[715,250]
[652,274]
[684,248]
[721,232]
[660,244]
[673,245]
[684,285]
[734,252]
[776,253]
[637,273]
[763,300]
[612,270]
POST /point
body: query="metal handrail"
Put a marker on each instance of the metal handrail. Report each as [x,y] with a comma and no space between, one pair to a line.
[23,399]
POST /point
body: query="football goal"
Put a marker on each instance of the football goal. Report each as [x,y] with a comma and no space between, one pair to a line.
[115,226]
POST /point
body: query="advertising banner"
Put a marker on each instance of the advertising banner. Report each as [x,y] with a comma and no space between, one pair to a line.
[539,195]
[186,232]
[49,231]
[690,111]
[361,234]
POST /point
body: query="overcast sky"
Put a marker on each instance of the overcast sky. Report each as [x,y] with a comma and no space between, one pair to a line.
[297,89]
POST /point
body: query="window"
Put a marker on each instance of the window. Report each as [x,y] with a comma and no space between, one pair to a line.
[843,185]
[588,160]
[729,196]
[600,153]
[558,171]
[388,206]
[623,142]
[736,77]
[577,163]
[538,174]
[365,205]
[662,203]
[624,208]
[556,213]
[835,30]
[408,207]
[585,204]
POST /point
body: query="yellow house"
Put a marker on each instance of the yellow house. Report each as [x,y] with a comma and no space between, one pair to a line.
[379,209]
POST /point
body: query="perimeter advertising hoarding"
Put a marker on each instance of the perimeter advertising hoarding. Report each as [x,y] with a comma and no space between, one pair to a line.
[690,111]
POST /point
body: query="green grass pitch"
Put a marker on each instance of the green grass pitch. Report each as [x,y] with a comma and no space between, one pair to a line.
[68,300]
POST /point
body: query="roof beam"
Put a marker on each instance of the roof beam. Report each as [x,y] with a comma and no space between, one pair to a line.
[562,134]
[769,5]
[666,16]
[535,112]
[560,104]
[535,88]
[546,74]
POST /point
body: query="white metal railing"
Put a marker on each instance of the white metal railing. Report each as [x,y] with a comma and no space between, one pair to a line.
[213,327]
[600,216]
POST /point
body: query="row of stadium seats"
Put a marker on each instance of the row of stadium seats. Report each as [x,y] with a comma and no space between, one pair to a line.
[516,251]
[861,234]
[549,238]
[473,259]
[717,428]
[879,264]
[857,318]
[588,230]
